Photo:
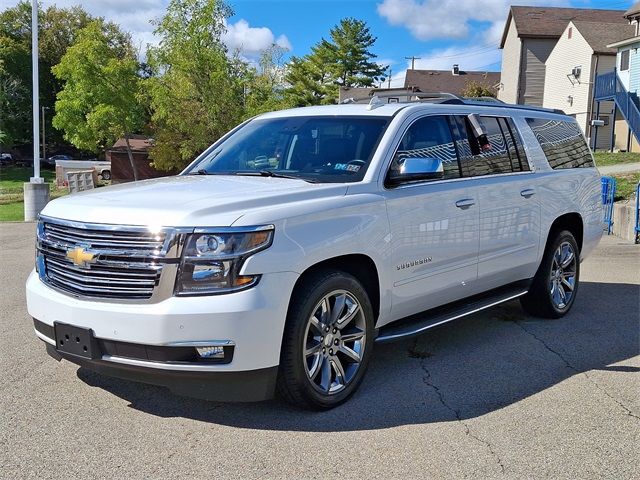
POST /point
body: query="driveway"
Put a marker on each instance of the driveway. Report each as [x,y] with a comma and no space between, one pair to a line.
[497,395]
[622,168]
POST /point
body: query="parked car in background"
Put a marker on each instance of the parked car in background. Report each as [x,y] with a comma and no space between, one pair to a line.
[281,254]
[6,158]
[51,161]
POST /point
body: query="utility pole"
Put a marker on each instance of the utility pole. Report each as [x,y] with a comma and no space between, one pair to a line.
[413,61]
[44,137]
[389,84]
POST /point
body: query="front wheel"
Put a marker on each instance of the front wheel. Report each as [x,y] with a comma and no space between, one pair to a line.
[106,175]
[555,285]
[327,342]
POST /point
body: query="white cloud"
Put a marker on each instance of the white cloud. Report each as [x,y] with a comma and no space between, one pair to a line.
[250,41]
[428,19]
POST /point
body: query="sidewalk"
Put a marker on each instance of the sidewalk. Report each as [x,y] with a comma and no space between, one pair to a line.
[622,168]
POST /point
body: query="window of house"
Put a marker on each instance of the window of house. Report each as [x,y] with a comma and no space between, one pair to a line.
[570,33]
[624,60]
[429,137]
[504,152]
[562,143]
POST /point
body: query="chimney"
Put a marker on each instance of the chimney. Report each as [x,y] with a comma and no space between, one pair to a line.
[455,70]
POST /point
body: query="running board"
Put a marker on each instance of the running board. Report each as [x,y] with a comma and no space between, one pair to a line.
[421,322]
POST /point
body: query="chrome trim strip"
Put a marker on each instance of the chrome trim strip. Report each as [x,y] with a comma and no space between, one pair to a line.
[184,367]
[203,343]
[386,338]
[248,229]
[44,338]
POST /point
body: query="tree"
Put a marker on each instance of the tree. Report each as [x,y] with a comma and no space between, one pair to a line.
[345,60]
[196,91]
[99,102]
[264,86]
[58,29]
[476,89]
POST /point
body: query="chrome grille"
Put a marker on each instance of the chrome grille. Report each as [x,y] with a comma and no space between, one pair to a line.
[127,262]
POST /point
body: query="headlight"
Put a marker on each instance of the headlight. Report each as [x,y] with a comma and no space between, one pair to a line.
[211,261]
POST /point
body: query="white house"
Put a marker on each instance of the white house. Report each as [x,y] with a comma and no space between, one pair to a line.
[529,36]
[581,53]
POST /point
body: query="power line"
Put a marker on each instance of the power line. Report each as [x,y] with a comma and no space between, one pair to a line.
[413,61]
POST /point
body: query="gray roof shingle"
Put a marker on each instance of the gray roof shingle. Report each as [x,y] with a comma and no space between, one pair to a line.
[599,35]
[550,22]
[445,81]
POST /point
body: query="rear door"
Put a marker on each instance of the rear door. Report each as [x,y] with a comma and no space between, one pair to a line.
[509,202]
[434,224]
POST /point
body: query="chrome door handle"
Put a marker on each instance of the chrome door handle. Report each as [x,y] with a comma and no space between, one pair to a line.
[465,203]
[528,192]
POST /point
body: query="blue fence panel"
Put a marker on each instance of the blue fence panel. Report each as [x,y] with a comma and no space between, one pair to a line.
[608,194]
[638,213]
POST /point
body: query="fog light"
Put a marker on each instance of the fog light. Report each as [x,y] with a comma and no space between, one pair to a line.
[211,352]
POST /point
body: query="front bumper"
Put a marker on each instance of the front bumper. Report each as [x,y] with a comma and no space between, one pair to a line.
[247,386]
[253,320]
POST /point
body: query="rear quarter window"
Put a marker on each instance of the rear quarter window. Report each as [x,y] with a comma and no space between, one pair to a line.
[562,143]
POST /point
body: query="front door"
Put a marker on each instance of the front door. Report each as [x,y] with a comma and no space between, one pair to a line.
[434,225]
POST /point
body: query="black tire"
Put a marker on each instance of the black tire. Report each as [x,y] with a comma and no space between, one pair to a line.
[540,300]
[294,383]
[106,175]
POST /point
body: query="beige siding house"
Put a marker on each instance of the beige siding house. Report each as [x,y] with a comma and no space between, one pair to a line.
[580,53]
[529,36]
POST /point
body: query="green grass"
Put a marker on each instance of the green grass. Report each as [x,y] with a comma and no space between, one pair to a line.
[12,178]
[11,194]
[626,184]
[12,212]
[606,158]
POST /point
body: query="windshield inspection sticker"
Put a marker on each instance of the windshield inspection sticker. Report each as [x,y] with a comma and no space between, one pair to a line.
[347,167]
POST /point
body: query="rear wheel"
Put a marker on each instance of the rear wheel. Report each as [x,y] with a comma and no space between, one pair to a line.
[106,175]
[555,285]
[327,342]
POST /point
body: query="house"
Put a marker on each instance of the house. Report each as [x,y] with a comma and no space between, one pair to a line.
[121,167]
[579,55]
[450,81]
[529,36]
[622,86]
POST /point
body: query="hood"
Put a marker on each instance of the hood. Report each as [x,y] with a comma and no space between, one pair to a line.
[189,200]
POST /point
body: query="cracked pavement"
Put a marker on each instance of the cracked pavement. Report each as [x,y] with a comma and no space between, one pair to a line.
[496,395]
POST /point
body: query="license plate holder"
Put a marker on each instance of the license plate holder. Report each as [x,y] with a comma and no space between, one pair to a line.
[76,341]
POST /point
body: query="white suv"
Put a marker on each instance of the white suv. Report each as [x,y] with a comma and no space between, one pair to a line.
[278,258]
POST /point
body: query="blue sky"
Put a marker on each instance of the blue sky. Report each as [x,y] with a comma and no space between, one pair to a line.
[441,32]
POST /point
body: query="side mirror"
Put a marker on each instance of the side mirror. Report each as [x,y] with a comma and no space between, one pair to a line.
[415,169]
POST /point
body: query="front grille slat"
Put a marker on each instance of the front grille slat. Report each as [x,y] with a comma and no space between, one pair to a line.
[125,263]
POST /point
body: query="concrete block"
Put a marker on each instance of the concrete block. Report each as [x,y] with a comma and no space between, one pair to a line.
[36,196]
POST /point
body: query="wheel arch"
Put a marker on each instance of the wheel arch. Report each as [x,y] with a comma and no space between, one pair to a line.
[359,265]
[572,222]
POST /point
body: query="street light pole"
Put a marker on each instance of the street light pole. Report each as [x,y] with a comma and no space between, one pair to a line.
[36,91]
[36,192]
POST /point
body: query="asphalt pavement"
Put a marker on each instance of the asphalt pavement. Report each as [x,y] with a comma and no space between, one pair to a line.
[496,395]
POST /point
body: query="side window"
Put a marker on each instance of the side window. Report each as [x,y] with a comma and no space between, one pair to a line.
[562,143]
[429,137]
[518,156]
[498,155]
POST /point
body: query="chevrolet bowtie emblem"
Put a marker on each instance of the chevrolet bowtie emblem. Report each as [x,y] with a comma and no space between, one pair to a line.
[81,257]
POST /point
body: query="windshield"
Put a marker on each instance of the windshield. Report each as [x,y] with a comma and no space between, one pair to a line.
[315,149]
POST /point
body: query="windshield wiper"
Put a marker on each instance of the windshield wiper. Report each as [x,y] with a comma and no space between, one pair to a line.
[271,173]
[202,171]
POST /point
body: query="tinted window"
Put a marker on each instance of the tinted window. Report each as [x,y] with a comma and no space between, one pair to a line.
[321,149]
[503,152]
[429,137]
[562,143]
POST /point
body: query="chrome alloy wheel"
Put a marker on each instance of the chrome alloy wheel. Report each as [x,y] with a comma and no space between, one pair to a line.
[563,275]
[335,339]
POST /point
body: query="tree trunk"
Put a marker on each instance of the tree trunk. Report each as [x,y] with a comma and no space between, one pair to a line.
[130,155]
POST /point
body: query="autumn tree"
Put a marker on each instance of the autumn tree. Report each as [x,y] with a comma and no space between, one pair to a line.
[473,89]
[99,102]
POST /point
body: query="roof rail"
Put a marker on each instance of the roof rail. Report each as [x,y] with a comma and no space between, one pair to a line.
[444,97]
